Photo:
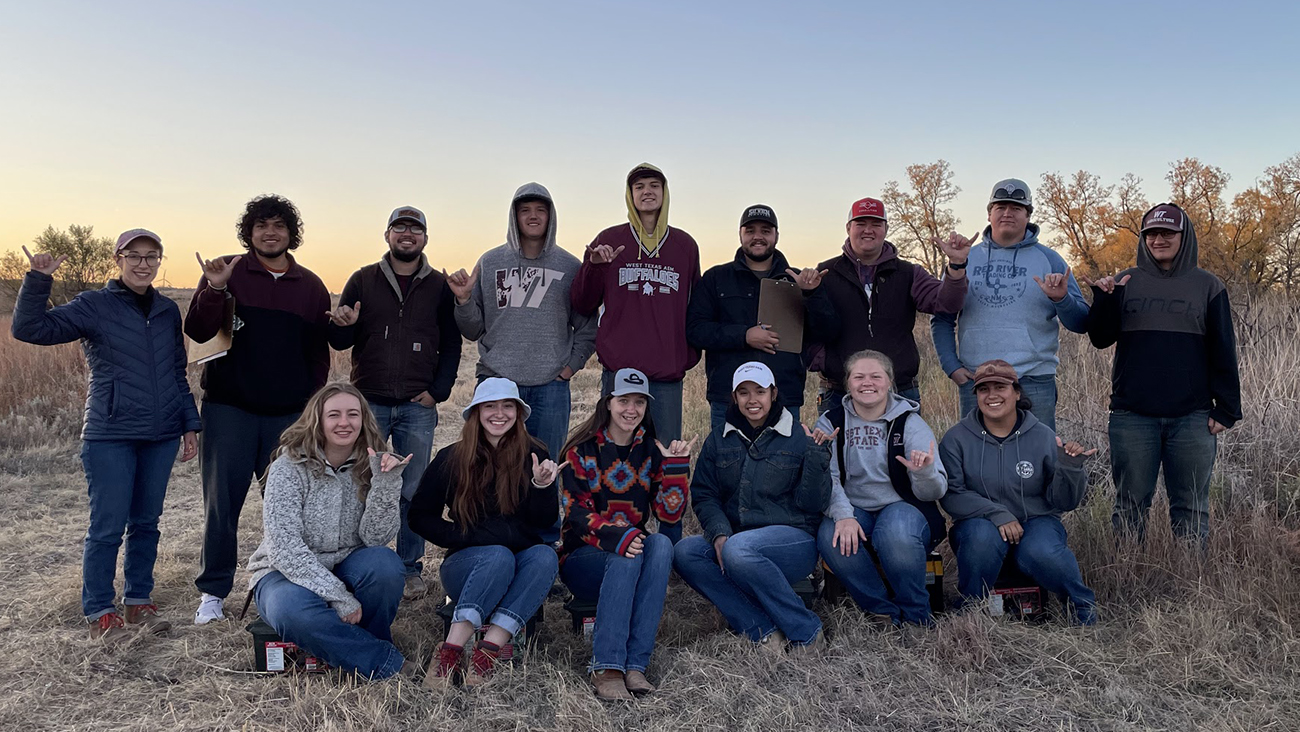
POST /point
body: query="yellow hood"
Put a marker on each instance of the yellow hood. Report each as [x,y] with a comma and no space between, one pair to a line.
[650,240]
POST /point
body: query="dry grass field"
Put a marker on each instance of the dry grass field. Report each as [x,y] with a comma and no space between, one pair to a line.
[1186,642]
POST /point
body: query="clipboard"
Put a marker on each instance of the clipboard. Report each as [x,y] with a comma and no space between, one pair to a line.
[780,307]
[219,344]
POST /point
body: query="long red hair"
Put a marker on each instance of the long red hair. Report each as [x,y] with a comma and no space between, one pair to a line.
[480,471]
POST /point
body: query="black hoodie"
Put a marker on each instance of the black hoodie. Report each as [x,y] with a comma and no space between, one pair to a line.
[1176,351]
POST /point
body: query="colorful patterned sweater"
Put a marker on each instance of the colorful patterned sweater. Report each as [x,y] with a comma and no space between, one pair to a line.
[607,498]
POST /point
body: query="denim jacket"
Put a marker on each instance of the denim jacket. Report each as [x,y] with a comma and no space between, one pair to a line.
[782,478]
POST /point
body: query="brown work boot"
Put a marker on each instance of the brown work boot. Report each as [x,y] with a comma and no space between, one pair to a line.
[811,649]
[482,664]
[610,685]
[414,588]
[444,666]
[108,628]
[637,683]
[146,616]
[774,642]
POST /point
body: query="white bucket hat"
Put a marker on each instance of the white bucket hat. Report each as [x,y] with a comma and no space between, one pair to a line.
[493,389]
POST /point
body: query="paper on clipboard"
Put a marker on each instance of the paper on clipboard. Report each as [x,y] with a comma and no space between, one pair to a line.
[780,307]
[219,344]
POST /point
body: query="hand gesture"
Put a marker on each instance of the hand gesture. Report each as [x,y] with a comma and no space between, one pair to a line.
[389,461]
[678,448]
[636,547]
[217,270]
[762,338]
[848,535]
[602,253]
[961,376]
[189,446]
[1011,532]
[1108,283]
[44,263]
[956,247]
[353,617]
[462,284]
[1215,427]
[1074,449]
[918,461]
[1054,285]
[344,315]
[545,472]
[807,279]
[820,437]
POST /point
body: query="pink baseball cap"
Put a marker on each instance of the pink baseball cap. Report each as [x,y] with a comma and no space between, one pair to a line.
[868,208]
[129,236]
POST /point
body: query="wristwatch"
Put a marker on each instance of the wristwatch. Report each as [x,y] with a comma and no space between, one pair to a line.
[959,266]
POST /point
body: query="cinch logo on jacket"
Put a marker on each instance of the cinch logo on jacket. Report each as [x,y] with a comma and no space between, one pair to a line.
[524,287]
[998,285]
[648,278]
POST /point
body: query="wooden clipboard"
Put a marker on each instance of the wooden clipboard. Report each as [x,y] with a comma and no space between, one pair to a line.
[781,308]
[219,344]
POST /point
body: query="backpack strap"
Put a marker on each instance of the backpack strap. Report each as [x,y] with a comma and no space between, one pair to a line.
[836,415]
[901,479]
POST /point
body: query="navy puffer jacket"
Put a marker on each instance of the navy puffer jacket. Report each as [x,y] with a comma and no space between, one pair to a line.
[138,389]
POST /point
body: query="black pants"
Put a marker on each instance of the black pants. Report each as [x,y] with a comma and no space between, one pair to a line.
[234,447]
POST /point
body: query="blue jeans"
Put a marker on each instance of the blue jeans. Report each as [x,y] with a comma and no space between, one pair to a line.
[1040,390]
[1184,447]
[755,594]
[126,481]
[411,426]
[374,575]
[494,582]
[1042,554]
[666,413]
[630,595]
[900,536]
[718,415]
[549,422]
[827,398]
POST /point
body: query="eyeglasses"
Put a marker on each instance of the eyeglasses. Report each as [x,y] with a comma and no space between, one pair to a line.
[133,259]
[1165,234]
[1018,194]
[403,228]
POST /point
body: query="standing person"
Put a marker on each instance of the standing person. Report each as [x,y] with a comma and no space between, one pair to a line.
[405,353]
[759,489]
[323,575]
[278,357]
[618,474]
[878,295]
[1009,480]
[1019,289]
[884,484]
[516,305]
[138,411]
[722,319]
[1175,384]
[486,499]
[642,273]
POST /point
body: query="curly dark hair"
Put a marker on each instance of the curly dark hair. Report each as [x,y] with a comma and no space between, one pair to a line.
[264,208]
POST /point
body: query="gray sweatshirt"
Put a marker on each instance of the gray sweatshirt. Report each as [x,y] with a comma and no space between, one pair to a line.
[866,459]
[311,522]
[519,311]
[1024,476]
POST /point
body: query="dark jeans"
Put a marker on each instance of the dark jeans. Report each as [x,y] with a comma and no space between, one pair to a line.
[630,600]
[1040,390]
[1139,447]
[1042,554]
[494,584]
[126,482]
[234,447]
[900,536]
[374,576]
[411,426]
[666,412]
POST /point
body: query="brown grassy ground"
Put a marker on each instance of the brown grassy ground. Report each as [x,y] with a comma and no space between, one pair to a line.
[1185,642]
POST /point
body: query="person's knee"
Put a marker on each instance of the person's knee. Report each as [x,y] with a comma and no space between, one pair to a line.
[540,558]
[900,528]
[657,549]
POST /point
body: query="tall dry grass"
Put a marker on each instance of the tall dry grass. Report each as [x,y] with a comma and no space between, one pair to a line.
[1188,641]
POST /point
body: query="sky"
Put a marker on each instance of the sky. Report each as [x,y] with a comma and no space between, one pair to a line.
[171,115]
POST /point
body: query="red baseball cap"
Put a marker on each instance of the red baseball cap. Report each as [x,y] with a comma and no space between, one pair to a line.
[868,208]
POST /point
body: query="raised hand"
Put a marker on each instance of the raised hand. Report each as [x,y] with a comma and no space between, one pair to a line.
[820,437]
[956,247]
[217,270]
[807,279]
[918,460]
[961,376]
[602,253]
[1108,283]
[462,284]
[1074,449]
[678,448]
[344,315]
[44,263]
[1055,285]
[545,472]
[762,338]
[848,535]
[636,547]
[389,461]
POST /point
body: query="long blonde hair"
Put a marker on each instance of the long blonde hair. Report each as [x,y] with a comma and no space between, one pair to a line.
[305,438]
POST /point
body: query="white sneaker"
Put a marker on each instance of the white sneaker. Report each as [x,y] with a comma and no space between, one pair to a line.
[211,608]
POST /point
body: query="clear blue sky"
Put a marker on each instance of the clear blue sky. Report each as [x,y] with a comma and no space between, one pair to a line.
[171,115]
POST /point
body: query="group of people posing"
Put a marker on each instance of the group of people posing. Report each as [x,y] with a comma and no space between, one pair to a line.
[519,499]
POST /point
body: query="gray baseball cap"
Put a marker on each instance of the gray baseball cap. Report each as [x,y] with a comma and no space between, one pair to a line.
[408,213]
[630,381]
[1012,190]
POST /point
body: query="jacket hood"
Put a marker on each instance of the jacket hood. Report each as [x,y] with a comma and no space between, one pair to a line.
[1031,237]
[1187,258]
[531,190]
[972,423]
[650,240]
[898,407]
[887,252]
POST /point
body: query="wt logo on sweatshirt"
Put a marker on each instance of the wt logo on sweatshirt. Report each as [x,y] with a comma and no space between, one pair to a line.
[524,287]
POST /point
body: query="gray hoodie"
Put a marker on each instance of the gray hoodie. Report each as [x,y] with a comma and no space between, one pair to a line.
[866,459]
[1024,476]
[519,311]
